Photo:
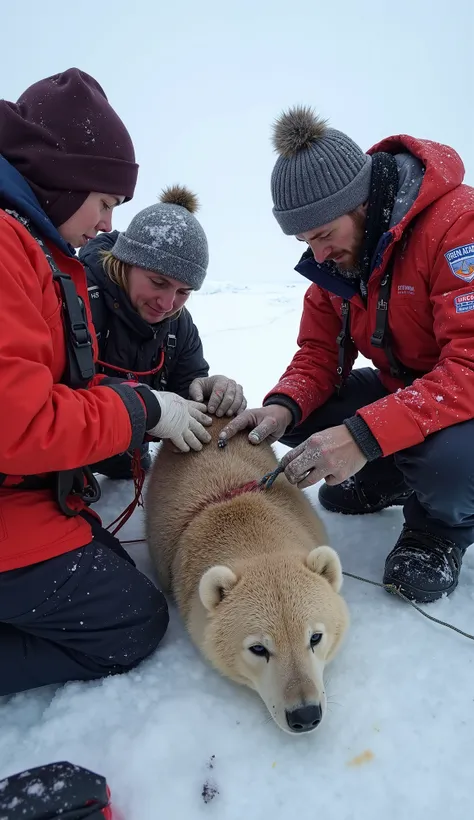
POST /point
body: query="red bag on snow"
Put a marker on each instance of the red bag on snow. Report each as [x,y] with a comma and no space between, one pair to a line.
[57,790]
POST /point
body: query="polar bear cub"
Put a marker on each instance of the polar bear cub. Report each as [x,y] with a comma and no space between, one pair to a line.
[250,571]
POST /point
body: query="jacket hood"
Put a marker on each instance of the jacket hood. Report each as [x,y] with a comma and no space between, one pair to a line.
[16,194]
[89,254]
[443,171]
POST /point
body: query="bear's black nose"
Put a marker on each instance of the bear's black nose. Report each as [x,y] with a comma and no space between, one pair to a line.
[305,718]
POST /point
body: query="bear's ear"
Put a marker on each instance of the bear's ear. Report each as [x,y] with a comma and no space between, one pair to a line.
[325,561]
[214,586]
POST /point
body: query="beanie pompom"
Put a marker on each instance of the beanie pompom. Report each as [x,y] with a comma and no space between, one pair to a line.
[297,129]
[180,195]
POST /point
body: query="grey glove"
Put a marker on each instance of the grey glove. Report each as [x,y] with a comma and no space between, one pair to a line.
[268,422]
[224,396]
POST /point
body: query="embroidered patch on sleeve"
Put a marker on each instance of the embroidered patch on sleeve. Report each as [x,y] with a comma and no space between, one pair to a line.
[461,262]
[464,302]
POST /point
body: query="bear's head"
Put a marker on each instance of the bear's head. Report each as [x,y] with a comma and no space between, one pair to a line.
[273,623]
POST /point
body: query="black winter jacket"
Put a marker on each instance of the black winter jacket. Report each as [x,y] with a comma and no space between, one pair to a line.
[127,341]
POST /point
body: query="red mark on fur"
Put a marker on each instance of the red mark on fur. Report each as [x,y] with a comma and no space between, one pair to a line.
[250,487]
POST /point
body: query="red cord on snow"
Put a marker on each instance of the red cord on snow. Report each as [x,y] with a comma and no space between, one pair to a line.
[138,474]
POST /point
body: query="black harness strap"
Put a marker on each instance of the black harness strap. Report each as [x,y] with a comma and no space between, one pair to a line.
[381,337]
[169,349]
[80,366]
[343,341]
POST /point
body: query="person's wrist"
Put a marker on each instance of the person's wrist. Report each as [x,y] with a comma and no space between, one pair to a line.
[282,413]
[150,399]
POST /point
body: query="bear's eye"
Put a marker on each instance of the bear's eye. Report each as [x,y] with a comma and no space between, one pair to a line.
[315,639]
[260,651]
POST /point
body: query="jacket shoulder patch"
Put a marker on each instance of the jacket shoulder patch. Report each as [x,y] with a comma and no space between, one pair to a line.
[461,262]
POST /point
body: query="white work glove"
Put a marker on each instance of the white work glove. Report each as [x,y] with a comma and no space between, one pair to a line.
[224,396]
[182,422]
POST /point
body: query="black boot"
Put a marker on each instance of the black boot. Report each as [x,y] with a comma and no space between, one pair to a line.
[423,566]
[353,497]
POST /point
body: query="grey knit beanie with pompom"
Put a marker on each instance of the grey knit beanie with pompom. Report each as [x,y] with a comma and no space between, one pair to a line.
[320,173]
[167,238]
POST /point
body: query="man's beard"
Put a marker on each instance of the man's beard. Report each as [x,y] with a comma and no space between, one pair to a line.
[351,273]
[352,268]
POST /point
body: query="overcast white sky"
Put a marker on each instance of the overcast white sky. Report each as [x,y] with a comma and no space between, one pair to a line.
[198,84]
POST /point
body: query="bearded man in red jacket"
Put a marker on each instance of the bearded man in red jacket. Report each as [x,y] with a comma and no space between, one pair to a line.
[390,255]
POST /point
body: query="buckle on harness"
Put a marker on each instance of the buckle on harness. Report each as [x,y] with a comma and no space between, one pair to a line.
[341,338]
[377,338]
[71,482]
[80,334]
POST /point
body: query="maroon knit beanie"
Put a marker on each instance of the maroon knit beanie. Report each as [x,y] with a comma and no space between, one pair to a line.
[64,137]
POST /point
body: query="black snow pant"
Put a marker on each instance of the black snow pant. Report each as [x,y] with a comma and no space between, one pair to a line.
[439,471]
[85,614]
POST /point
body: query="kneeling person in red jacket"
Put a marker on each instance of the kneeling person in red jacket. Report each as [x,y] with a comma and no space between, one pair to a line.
[390,237]
[72,603]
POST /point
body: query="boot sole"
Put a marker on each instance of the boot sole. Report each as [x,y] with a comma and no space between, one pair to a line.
[418,596]
[397,502]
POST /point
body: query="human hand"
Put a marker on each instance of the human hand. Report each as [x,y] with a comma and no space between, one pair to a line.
[182,421]
[224,396]
[332,454]
[267,422]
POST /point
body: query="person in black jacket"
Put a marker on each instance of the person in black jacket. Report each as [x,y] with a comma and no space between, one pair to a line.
[139,282]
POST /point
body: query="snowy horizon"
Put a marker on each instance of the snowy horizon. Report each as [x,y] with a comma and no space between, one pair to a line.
[199,85]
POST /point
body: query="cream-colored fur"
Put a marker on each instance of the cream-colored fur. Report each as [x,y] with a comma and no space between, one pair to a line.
[252,571]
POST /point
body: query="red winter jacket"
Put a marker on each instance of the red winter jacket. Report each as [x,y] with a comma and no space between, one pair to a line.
[44,425]
[431,313]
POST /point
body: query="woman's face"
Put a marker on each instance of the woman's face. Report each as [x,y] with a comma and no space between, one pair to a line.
[154,295]
[94,215]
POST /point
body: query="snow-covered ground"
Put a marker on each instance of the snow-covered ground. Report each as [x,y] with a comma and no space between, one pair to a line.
[398,739]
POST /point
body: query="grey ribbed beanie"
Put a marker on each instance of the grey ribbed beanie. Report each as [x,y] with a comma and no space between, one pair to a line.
[320,174]
[167,238]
